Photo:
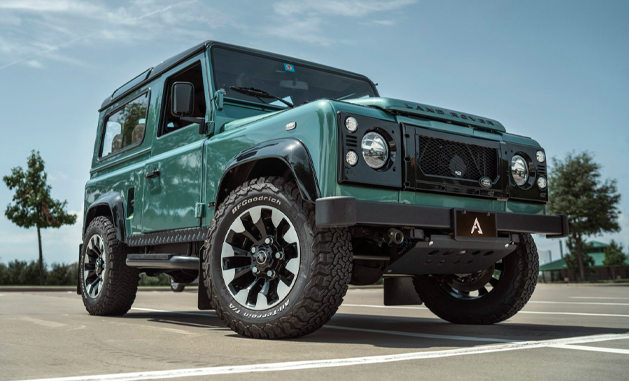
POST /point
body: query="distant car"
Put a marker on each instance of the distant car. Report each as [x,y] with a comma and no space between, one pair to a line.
[278,181]
[179,287]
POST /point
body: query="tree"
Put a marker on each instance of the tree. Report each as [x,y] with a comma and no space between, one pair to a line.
[591,204]
[571,257]
[32,204]
[614,256]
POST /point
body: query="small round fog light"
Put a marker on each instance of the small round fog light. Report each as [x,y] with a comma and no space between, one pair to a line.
[351,157]
[351,124]
[541,156]
[541,183]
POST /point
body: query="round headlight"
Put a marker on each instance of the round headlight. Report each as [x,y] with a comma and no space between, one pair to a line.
[519,170]
[375,150]
[351,124]
[351,157]
[541,156]
[542,183]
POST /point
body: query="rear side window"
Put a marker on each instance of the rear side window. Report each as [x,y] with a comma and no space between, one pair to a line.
[125,127]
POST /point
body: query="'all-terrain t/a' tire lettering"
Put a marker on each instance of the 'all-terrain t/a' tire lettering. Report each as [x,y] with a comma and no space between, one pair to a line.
[270,272]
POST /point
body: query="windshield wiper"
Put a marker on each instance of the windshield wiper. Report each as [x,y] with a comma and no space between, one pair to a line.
[259,94]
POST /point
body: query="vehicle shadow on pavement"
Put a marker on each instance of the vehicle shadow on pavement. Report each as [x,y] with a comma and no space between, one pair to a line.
[393,332]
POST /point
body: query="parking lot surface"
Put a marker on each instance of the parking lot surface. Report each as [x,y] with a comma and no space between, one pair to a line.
[564,333]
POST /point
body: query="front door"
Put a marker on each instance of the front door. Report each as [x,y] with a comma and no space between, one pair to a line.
[173,175]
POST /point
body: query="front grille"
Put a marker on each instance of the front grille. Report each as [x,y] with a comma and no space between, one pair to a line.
[446,158]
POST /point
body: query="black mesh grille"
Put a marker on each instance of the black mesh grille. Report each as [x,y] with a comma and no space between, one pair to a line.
[440,157]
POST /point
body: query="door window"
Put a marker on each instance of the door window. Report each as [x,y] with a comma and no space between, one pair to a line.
[125,128]
[193,75]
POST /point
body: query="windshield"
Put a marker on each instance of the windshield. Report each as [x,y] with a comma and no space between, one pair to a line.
[293,83]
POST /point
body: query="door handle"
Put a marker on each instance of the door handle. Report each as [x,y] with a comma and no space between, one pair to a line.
[150,175]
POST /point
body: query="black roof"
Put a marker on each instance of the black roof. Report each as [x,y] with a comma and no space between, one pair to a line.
[169,63]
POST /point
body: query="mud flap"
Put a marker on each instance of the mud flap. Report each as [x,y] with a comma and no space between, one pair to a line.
[78,273]
[400,291]
[203,300]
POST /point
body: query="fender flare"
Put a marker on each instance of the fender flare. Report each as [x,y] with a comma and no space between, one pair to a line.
[292,152]
[114,203]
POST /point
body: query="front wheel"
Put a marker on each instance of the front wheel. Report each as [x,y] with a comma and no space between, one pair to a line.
[269,270]
[108,285]
[486,297]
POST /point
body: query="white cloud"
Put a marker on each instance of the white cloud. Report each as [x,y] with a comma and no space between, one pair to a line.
[307,21]
[34,64]
[47,27]
[352,8]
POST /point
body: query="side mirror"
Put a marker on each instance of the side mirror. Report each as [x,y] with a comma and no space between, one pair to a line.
[219,99]
[182,99]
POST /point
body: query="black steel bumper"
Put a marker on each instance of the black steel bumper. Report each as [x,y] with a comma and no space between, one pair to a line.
[347,211]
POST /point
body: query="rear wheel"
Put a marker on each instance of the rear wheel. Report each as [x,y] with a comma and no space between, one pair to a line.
[108,285]
[488,296]
[270,271]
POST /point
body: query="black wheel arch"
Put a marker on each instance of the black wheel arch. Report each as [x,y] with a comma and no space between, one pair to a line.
[112,205]
[279,157]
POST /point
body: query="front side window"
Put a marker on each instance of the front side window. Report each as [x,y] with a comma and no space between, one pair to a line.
[125,127]
[235,72]
[193,75]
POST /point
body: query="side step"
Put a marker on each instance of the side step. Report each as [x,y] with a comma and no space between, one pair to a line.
[163,261]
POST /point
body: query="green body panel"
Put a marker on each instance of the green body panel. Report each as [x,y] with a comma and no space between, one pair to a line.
[191,165]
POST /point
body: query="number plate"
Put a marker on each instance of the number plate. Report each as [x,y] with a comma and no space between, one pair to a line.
[475,224]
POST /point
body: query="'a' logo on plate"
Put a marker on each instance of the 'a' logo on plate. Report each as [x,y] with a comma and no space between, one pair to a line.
[476,226]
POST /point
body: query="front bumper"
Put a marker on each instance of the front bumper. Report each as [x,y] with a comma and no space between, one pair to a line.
[347,211]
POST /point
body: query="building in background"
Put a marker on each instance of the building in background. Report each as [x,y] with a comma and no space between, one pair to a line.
[558,270]
[545,256]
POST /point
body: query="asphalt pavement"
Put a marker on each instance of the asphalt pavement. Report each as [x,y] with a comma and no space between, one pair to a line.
[564,333]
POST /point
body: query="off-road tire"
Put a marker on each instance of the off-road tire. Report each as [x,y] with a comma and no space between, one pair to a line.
[324,272]
[511,294]
[120,282]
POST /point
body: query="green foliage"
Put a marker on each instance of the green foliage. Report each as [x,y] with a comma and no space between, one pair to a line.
[23,273]
[614,255]
[571,257]
[575,189]
[159,280]
[32,204]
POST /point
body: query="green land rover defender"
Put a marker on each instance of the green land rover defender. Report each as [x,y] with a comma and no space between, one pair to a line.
[278,182]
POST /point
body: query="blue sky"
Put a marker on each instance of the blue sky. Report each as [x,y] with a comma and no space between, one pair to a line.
[554,70]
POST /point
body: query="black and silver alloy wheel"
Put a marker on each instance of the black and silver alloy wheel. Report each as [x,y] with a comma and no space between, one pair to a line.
[486,297]
[269,270]
[260,258]
[473,286]
[94,266]
[108,285]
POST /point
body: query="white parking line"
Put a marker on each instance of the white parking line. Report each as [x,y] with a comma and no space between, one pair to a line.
[578,303]
[43,323]
[598,297]
[200,313]
[593,349]
[521,312]
[312,364]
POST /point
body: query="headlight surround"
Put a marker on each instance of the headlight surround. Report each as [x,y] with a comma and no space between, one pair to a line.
[519,170]
[375,150]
